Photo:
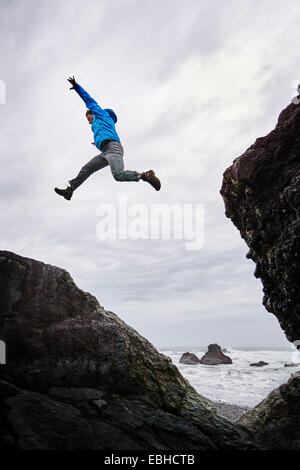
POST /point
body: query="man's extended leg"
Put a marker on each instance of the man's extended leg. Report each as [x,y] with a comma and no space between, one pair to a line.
[96,163]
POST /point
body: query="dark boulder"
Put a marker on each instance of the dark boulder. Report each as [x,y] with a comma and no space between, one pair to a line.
[215,356]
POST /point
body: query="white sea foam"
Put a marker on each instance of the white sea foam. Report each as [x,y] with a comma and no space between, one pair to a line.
[238,383]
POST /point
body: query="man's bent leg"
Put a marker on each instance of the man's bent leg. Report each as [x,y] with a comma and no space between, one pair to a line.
[95,164]
[114,155]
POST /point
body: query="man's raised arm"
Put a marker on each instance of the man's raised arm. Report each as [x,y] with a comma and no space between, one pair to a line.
[89,101]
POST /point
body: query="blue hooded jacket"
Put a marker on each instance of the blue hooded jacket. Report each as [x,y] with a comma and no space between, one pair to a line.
[103,125]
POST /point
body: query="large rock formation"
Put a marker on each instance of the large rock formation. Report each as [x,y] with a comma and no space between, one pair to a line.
[276,420]
[261,191]
[77,377]
[215,356]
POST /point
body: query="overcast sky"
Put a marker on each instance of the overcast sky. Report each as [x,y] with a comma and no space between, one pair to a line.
[193,83]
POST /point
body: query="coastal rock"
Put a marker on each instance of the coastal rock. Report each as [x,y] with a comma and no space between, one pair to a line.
[189,358]
[292,364]
[276,419]
[259,364]
[215,356]
[261,192]
[77,377]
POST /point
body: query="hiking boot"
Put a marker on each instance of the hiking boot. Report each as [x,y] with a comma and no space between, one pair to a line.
[66,193]
[150,177]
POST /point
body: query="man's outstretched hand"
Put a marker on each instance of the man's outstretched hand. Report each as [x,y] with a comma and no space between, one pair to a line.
[72,81]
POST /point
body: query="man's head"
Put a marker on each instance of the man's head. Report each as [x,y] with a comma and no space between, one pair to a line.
[89,116]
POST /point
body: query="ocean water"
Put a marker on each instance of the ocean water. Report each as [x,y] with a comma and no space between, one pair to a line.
[238,383]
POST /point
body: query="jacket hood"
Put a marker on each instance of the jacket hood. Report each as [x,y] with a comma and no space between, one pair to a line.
[112,114]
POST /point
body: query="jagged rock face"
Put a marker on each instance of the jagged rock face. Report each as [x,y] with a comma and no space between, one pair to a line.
[261,192]
[215,356]
[77,377]
[189,359]
[276,420]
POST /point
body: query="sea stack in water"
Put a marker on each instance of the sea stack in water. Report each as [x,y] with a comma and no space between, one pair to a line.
[215,356]
[189,359]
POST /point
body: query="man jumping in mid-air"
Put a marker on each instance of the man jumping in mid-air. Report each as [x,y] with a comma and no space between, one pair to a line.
[107,140]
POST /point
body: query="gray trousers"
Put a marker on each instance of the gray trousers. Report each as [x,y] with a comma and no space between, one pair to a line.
[112,156]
